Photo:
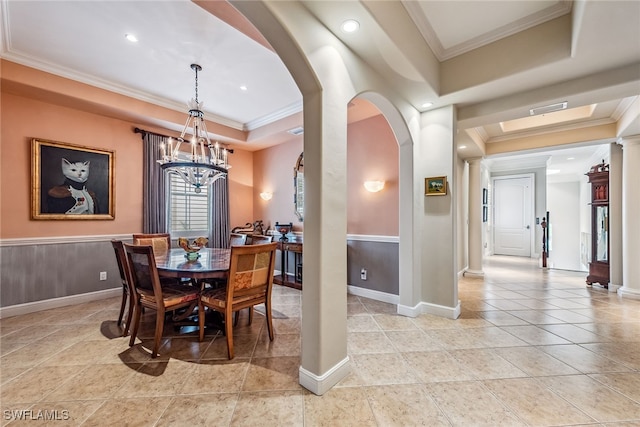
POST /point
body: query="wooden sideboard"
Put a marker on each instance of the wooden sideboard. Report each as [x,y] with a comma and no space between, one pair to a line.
[286,278]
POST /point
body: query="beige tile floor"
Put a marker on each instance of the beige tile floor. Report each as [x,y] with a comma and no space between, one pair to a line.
[531,347]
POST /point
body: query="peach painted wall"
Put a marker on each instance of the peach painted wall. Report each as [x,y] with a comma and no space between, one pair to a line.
[23,119]
[273,172]
[240,188]
[372,154]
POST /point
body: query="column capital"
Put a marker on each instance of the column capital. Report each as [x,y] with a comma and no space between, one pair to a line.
[629,140]
[474,160]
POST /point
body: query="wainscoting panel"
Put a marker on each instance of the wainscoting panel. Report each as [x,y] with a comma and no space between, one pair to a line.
[37,271]
[378,255]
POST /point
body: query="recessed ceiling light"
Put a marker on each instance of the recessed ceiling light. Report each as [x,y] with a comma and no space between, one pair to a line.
[570,158]
[462,147]
[350,26]
[427,104]
[244,88]
[132,38]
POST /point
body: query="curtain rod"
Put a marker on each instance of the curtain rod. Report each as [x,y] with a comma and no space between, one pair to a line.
[143,132]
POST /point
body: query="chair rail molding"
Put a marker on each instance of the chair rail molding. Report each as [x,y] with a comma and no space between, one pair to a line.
[29,241]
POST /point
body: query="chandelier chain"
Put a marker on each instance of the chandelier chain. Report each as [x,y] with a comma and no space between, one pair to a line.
[196,85]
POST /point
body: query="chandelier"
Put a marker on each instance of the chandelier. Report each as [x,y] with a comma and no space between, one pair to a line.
[204,162]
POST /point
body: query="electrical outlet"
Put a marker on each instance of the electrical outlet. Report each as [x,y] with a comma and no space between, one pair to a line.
[103,275]
[363,274]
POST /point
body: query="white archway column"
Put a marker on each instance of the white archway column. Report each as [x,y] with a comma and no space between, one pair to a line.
[324,81]
[615,217]
[475,219]
[630,214]
[435,155]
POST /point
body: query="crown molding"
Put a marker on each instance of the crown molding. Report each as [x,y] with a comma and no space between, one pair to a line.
[442,54]
[552,129]
[287,111]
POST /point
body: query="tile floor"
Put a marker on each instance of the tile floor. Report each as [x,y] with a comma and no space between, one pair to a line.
[531,347]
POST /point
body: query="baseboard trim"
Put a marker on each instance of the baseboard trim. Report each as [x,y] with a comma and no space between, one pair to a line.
[320,384]
[35,306]
[474,273]
[626,292]
[428,308]
[373,294]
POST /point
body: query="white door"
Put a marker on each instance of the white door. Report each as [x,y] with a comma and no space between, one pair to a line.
[512,205]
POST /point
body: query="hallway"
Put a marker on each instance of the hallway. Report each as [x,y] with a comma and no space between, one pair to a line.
[532,347]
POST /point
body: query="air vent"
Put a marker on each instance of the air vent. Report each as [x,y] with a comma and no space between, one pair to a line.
[296,131]
[548,108]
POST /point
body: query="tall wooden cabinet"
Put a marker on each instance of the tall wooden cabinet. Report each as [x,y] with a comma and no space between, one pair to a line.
[599,265]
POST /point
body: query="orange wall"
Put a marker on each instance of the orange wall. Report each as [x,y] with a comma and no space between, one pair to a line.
[240,188]
[273,172]
[24,119]
[372,154]
[39,111]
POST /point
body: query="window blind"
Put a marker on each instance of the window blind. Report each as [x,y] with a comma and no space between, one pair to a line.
[189,211]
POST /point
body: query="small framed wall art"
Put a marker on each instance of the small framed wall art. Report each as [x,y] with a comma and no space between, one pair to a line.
[435,186]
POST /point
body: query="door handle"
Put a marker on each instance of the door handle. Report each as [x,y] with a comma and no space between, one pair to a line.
[528,227]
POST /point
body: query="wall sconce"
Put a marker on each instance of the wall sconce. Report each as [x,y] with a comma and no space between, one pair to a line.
[266,195]
[374,186]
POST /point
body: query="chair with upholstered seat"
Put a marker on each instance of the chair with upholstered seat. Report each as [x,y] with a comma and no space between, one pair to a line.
[161,242]
[150,294]
[259,239]
[127,286]
[250,282]
[236,239]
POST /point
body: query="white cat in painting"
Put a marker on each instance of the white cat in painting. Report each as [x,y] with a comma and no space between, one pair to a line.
[78,172]
[72,197]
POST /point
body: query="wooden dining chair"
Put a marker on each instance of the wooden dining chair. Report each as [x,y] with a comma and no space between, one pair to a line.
[150,294]
[236,239]
[258,239]
[250,282]
[127,285]
[161,242]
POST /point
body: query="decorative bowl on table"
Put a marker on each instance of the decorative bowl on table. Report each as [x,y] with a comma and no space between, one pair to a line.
[191,248]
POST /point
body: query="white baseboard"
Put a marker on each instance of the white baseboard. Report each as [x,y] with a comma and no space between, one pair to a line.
[428,308]
[627,292]
[474,273]
[32,307]
[320,384]
[375,295]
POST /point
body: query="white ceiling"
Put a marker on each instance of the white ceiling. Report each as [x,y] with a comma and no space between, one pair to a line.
[401,40]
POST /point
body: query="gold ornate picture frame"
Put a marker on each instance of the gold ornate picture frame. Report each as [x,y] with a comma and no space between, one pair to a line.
[85,192]
[435,186]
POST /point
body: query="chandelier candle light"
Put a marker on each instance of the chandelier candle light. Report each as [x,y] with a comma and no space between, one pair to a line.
[206,162]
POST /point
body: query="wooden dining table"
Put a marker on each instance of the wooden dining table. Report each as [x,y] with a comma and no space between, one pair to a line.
[213,263]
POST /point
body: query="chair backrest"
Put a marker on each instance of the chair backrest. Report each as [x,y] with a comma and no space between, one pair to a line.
[123,265]
[251,272]
[236,239]
[144,273]
[161,242]
[258,239]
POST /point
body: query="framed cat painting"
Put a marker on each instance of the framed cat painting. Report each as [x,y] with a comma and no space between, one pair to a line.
[71,182]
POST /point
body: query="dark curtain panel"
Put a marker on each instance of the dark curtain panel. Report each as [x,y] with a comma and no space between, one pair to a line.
[219,209]
[154,202]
